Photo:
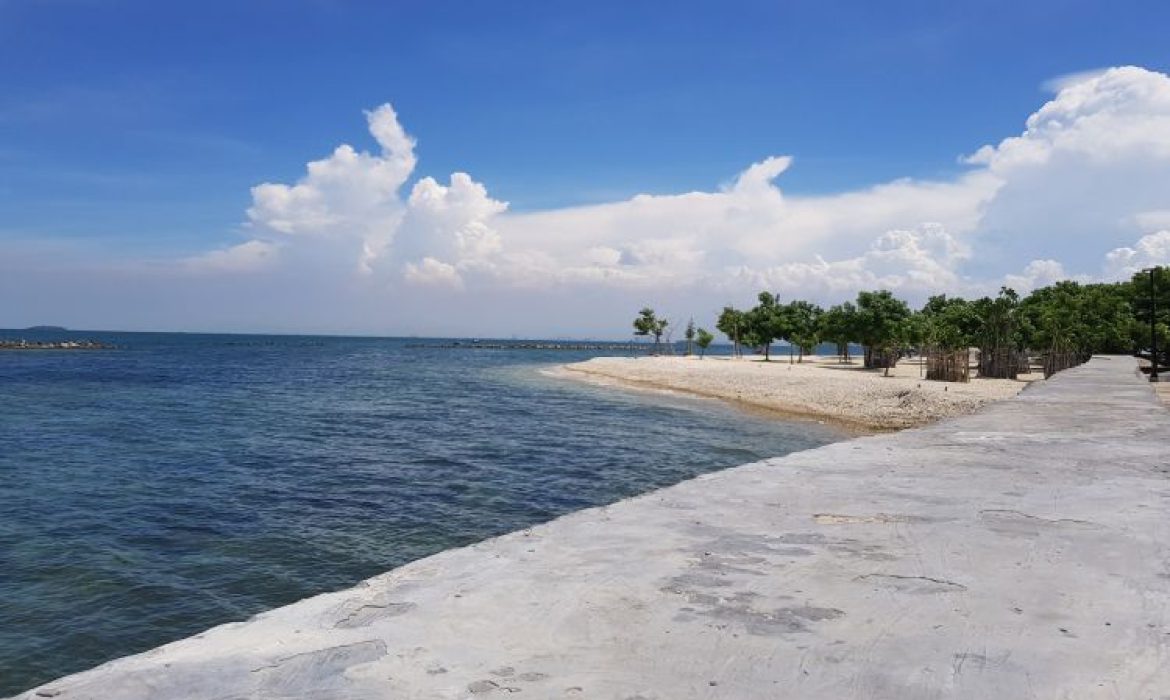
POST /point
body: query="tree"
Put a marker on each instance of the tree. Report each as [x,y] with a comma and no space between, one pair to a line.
[804,326]
[690,335]
[881,327]
[1074,319]
[732,323]
[998,334]
[948,323]
[1138,292]
[915,333]
[703,341]
[767,322]
[839,325]
[648,324]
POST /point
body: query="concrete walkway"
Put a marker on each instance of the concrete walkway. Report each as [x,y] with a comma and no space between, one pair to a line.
[1022,552]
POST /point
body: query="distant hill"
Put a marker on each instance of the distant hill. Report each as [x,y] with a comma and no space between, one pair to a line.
[46,328]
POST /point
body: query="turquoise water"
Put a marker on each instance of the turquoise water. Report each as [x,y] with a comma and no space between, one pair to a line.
[182,481]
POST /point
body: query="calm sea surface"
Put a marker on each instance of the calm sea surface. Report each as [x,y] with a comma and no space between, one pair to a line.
[182,481]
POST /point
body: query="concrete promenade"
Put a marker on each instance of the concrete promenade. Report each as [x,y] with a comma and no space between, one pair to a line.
[1021,552]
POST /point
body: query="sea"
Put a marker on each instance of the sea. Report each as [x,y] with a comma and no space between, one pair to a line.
[179,481]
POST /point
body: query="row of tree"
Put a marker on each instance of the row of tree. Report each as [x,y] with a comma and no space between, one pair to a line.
[1067,318]
[877,321]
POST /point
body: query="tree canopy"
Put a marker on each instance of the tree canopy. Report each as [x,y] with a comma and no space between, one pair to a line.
[882,324]
[647,323]
[1066,317]
[732,323]
[703,339]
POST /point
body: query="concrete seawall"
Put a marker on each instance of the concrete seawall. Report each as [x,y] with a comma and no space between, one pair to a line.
[1021,552]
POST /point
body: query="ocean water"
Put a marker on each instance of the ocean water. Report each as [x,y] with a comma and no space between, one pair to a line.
[183,481]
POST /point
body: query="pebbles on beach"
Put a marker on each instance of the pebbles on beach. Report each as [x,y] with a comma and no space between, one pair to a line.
[817,388]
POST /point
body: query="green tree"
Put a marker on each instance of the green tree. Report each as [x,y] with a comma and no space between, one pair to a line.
[703,340]
[804,326]
[689,334]
[1138,291]
[1069,317]
[647,323]
[839,325]
[881,327]
[767,322]
[949,323]
[732,323]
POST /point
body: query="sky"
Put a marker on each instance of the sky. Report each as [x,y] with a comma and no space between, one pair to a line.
[547,168]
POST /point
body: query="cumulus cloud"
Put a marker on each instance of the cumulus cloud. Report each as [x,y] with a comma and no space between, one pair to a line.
[432,272]
[1057,83]
[1106,116]
[1080,192]
[901,260]
[450,222]
[351,194]
[1038,273]
[1149,251]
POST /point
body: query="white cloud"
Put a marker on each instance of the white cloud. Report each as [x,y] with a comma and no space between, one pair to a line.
[352,194]
[1066,80]
[1149,251]
[1085,176]
[1038,273]
[249,256]
[1112,114]
[431,272]
[915,261]
[1080,191]
[449,222]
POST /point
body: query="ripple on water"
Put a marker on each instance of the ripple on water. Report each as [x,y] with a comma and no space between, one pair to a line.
[185,481]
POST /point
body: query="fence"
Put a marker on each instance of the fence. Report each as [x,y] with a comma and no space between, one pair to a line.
[948,365]
[1002,363]
[1056,361]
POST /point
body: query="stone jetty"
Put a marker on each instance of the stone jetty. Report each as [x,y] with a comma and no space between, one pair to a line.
[1019,552]
[21,344]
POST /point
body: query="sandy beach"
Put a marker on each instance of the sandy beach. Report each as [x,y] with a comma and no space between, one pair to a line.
[819,388]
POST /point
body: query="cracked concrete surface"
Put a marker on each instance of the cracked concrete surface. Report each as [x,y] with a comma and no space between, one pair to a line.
[1021,552]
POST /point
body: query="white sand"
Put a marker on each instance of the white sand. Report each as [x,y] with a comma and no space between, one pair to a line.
[818,388]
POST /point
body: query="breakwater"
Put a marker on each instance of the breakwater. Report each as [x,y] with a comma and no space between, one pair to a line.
[21,344]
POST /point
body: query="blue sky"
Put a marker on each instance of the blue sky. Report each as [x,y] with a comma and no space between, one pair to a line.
[134,130]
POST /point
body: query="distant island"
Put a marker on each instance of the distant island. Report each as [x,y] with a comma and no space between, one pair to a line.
[46,328]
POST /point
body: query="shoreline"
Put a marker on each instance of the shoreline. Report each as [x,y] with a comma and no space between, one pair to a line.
[843,395]
[851,428]
[851,569]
